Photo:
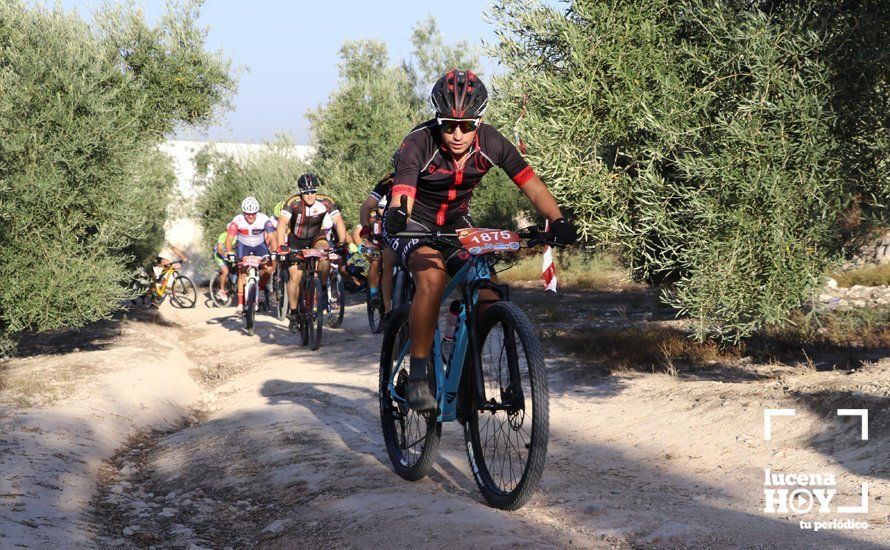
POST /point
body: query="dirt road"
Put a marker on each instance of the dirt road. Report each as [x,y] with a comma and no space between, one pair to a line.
[284,449]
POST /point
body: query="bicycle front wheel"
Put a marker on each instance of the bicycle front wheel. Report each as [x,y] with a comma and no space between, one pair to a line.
[183,292]
[507,432]
[315,313]
[250,301]
[281,293]
[412,439]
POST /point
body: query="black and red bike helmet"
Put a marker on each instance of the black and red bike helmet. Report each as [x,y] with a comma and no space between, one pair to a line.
[308,183]
[459,94]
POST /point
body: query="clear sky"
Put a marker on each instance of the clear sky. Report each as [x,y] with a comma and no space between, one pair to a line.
[289,50]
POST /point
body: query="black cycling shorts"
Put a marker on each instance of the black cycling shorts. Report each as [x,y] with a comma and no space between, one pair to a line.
[296,245]
[454,254]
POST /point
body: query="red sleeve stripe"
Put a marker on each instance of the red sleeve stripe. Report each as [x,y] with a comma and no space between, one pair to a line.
[522,177]
[404,190]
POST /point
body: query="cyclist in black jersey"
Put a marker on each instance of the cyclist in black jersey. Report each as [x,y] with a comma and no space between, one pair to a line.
[440,163]
[303,223]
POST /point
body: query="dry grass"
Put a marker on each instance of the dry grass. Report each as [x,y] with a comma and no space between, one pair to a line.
[574,268]
[872,275]
[857,328]
[646,347]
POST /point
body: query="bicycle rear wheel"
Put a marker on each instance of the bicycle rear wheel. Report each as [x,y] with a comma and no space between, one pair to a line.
[375,312]
[507,433]
[336,300]
[183,292]
[412,439]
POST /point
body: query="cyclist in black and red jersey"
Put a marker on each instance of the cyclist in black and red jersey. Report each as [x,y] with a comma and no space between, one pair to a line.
[440,163]
[305,220]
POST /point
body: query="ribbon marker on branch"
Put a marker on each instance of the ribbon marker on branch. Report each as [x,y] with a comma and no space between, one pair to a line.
[548,270]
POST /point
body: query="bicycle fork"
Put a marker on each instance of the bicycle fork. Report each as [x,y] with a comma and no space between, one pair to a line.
[512,393]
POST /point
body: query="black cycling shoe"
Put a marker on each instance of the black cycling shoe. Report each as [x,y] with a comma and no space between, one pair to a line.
[294,324]
[419,396]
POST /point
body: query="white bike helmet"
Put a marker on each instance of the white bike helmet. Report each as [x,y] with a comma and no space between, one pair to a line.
[250,205]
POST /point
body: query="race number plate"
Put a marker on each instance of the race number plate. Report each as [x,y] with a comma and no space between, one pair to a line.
[314,253]
[478,241]
[250,261]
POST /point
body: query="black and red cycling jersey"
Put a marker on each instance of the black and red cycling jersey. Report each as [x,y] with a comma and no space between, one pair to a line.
[441,191]
[309,222]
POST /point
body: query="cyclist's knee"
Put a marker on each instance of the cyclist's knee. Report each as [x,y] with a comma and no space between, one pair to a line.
[430,281]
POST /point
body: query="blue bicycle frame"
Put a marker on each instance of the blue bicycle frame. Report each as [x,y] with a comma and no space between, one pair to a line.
[448,376]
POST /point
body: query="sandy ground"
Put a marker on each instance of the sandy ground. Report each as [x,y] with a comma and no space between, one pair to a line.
[282,448]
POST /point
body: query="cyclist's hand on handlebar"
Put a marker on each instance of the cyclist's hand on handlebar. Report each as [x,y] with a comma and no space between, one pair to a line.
[562,232]
[283,249]
[230,257]
[396,219]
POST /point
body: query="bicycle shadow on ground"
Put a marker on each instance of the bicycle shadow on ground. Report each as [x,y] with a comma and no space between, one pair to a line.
[361,431]
[319,456]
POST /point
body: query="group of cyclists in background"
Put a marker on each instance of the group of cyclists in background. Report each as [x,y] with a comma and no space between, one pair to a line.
[416,222]
[305,221]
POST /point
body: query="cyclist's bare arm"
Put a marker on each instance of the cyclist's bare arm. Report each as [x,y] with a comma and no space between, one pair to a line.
[179,252]
[281,230]
[272,240]
[341,228]
[357,234]
[229,242]
[365,211]
[541,198]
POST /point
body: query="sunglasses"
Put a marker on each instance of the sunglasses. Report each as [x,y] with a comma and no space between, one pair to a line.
[466,125]
[309,192]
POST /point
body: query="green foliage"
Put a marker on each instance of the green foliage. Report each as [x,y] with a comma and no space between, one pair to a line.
[270,176]
[717,142]
[83,190]
[364,121]
[375,105]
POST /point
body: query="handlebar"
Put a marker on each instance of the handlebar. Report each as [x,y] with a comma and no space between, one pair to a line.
[533,235]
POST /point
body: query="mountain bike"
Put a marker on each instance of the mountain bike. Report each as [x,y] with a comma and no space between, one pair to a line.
[310,316]
[492,380]
[171,283]
[251,266]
